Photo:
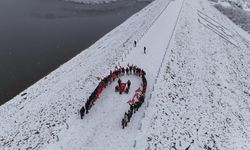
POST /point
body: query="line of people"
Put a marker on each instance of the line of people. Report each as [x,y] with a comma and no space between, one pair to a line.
[95,95]
[136,104]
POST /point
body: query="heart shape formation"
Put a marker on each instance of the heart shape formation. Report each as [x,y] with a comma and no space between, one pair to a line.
[136,101]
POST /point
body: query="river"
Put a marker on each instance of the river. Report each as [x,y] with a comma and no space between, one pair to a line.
[37,36]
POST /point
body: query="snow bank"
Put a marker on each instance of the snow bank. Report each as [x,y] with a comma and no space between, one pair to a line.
[201,99]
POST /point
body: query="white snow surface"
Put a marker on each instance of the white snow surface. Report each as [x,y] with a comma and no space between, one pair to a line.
[198,72]
[201,98]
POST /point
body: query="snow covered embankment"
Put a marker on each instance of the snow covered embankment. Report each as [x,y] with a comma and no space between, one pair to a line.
[201,99]
[35,118]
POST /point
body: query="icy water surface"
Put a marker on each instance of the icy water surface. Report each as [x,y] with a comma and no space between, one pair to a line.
[36,36]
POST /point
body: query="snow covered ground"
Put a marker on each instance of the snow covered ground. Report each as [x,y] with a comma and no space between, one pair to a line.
[242,4]
[201,99]
[197,66]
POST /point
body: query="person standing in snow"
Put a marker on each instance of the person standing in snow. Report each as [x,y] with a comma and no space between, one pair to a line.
[87,106]
[123,70]
[134,69]
[126,119]
[134,43]
[144,49]
[127,70]
[129,115]
[136,106]
[123,123]
[128,83]
[119,82]
[82,112]
[131,107]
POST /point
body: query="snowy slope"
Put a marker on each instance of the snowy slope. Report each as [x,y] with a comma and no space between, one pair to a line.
[242,4]
[105,122]
[197,66]
[201,99]
[35,118]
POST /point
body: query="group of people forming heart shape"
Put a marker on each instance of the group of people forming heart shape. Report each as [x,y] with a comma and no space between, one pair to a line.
[137,100]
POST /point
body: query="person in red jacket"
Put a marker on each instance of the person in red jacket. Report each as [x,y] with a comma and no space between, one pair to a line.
[122,87]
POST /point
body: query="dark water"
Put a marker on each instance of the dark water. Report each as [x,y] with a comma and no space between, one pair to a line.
[36,36]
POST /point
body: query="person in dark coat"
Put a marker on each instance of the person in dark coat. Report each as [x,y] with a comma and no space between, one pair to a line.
[126,119]
[128,83]
[123,123]
[87,106]
[134,69]
[116,88]
[119,82]
[82,112]
[136,106]
[127,90]
[123,70]
[141,99]
[129,115]
[131,107]
[135,43]
[127,70]
[144,49]
[130,69]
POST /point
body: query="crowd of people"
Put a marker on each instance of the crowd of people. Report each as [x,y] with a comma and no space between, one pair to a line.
[118,72]
[136,104]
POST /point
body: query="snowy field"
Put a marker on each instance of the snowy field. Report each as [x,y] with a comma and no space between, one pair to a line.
[197,63]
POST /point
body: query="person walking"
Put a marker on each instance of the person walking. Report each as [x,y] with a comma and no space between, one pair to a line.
[135,43]
[144,49]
